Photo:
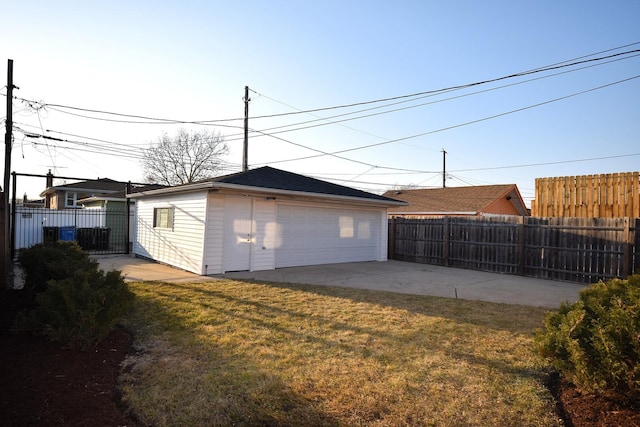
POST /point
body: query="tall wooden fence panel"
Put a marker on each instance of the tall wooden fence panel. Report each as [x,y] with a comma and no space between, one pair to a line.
[615,195]
[573,249]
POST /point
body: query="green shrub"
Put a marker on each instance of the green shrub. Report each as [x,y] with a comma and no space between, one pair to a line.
[595,342]
[52,261]
[75,303]
[80,310]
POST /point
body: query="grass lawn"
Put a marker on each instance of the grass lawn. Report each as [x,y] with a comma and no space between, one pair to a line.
[247,353]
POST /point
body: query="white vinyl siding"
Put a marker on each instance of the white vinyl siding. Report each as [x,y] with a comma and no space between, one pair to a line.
[281,233]
[213,244]
[308,235]
[182,246]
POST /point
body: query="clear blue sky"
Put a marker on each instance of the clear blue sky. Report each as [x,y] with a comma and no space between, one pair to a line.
[191,60]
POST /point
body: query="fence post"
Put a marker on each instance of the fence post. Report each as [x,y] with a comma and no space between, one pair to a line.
[12,224]
[445,241]
[391,239]
[628,243]
[127,233]
[521,245]
[635,265]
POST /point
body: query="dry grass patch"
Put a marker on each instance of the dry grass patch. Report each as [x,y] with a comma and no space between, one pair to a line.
[244,353]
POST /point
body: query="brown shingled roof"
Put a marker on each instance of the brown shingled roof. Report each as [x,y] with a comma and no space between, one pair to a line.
[451,200]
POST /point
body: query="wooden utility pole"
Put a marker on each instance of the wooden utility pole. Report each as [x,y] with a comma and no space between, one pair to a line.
[245,147]
[444,168]
[6,259]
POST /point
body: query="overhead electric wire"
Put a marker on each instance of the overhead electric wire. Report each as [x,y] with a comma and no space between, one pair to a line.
[33,134]
[98,140]
[58,107]
[519,74]
[55,107]
[103,149]
[322,153]
[559,162]
[326,122]
[155,120]
[100,149]
[400,109]
[454,126]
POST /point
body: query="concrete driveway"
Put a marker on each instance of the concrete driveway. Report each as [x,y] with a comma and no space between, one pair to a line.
[391,276]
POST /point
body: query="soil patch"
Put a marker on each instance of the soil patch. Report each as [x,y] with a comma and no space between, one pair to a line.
[578,409]
[45,385]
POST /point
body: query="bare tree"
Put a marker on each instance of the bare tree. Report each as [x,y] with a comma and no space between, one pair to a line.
[184,158]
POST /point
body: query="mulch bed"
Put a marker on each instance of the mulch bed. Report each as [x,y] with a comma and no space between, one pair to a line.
[44,385]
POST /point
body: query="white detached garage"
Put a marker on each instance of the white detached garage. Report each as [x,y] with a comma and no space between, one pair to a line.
[260,219]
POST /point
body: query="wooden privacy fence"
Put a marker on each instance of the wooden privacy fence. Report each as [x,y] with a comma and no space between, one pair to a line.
[581,250]
[615,195]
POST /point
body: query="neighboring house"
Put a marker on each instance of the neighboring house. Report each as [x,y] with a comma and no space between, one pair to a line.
[260,219]
[114,206]
[27,203]
[459,201]
[114,200]
[66,196]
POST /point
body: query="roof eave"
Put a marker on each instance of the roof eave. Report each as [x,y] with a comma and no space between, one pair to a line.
[97,199]
[52,190]
[434,213]
[213,185]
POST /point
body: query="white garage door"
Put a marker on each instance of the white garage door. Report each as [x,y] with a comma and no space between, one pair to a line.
[313,235]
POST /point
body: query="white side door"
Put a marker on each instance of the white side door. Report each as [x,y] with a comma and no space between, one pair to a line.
[238,233]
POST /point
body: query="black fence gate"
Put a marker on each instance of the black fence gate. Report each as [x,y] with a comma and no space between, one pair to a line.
[96,230]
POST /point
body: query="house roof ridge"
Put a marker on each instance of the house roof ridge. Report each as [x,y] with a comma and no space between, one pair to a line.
[272,179]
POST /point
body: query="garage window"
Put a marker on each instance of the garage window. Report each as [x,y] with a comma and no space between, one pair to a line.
[163,218]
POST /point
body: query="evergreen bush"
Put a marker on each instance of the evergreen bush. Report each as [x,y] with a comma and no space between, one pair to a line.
[595,342]
[76,303]
[52,261]
[80,310]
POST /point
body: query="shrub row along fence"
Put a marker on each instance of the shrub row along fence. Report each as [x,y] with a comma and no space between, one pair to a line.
[581,250]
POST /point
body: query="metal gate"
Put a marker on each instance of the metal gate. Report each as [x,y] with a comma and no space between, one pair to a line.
[96,230]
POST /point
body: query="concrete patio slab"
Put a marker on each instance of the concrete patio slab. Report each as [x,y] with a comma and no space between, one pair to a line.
[391,276]
[424,279]
[139,269]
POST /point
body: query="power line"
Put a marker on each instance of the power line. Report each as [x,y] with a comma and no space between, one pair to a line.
[560,162]
[56,107]
[156,122]
[96,139]
[217,122]
[519,74]
[327,122]
[450,127]
[404,170]
[97,148]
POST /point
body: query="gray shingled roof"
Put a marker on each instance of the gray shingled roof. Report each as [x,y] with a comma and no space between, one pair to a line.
[271,178]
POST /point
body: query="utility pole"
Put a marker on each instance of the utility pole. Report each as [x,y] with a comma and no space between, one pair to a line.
[444,168]
[245,147]
[7,172]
